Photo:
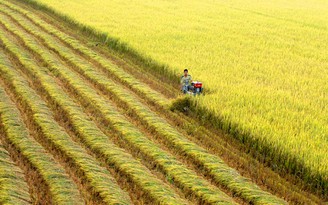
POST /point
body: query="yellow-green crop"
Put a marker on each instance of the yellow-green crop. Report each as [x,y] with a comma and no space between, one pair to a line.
[266,62]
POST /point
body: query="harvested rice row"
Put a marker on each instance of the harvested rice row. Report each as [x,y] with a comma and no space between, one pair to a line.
[28,17]
[11,176]
[99,179]
[99,142]
[248,191]
[223,174]
[62,189]
[59,184]
[185,177]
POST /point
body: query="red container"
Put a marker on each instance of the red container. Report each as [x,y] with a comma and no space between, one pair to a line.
[197,84]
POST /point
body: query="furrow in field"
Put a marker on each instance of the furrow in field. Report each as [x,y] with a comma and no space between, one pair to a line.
[99,181]
[100,143]
[107,66]
[181,174]
[11,177]
[49,185]
[235,182]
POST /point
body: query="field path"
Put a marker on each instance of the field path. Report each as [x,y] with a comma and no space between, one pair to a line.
[106,125]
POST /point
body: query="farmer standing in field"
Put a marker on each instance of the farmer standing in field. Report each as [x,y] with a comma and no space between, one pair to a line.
[185,81]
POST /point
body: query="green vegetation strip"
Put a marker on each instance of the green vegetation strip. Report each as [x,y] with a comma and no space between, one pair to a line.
[99,142]
[188,179]
[13,188]
[216,167]
[100,179]
[116,71]
[62,189]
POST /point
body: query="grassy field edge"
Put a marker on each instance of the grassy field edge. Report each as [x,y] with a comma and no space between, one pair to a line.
[272,156]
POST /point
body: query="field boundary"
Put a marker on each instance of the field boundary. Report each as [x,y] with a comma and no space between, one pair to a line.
[264,152]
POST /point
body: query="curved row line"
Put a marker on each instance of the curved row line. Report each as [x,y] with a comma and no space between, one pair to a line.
[99,178]
[185,177]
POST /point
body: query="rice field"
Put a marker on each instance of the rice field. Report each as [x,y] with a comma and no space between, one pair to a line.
[81,126]
[263,62]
